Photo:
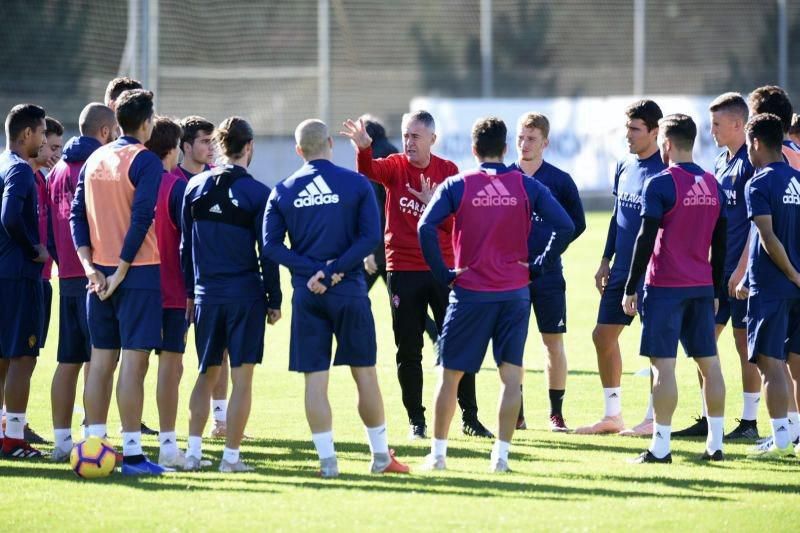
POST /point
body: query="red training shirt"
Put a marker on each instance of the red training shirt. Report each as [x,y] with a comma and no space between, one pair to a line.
[403,209]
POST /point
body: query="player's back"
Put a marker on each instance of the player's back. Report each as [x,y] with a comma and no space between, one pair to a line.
[779,185]
[62,183]
[681,255]
[224,234]
[321,206]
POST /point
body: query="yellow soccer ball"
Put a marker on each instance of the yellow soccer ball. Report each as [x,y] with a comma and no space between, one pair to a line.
[92,458]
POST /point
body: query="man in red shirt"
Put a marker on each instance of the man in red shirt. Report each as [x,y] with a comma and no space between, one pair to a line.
[409,179]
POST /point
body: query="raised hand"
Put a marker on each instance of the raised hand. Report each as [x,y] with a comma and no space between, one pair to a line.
[426,190]
[357,133]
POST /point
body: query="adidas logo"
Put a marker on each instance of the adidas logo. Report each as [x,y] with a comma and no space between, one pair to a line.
[494,194]
[168,441]
[316,192]
[131,442]
[614,395]
[14,419]
[658,435]
[782,428]
[699,194]
[561,323]
[215,209]
[792,194]
[217,409]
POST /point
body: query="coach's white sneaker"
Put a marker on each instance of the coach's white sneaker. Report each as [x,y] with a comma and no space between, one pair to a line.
[499,465]
[237,467]
[433,462]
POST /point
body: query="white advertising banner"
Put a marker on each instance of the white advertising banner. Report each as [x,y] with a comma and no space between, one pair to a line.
[587,135]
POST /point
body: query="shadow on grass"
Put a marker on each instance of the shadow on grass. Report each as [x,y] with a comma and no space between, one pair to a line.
[284,464]
[272,478]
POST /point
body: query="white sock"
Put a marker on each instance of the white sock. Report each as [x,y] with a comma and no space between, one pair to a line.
[794,425]
[500,450]
[716,428]
[323,442]
[703,403]
[168,440]
[439,447]
[780,432]
[96,430]
[377,439]
[750,407]
[63,439]
[220,410]
[230,455]
[132,443]
[85,431]
[15,425]
[649,414]
[613,398]
[660,443]
[194,447]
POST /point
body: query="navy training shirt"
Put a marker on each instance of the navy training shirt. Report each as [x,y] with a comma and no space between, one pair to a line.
[564,190]
[775,191]
[330,214]
[19,219]
[732,175]
[219,260]
[629,178]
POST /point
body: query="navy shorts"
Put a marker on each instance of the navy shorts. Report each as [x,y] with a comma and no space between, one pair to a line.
[47,302]
[317,319]
[129,320]
[610,311]
[74,346]
[238,326]
[549,299]
[772,327]
[731,308]
[174,329]
[793,340]
[669,318]
[21,317]
[469,326]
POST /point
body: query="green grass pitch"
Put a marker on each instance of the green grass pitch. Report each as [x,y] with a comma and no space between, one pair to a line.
[560,482]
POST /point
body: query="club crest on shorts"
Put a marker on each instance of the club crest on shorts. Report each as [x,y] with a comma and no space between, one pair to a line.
[31,341]
[396,301]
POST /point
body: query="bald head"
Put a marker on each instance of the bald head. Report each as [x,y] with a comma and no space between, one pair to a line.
[313,140]
[97,120]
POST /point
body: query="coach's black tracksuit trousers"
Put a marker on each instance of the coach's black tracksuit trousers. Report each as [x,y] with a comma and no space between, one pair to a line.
[410,295]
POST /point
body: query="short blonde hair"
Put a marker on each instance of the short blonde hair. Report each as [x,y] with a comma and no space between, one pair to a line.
[535,121]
